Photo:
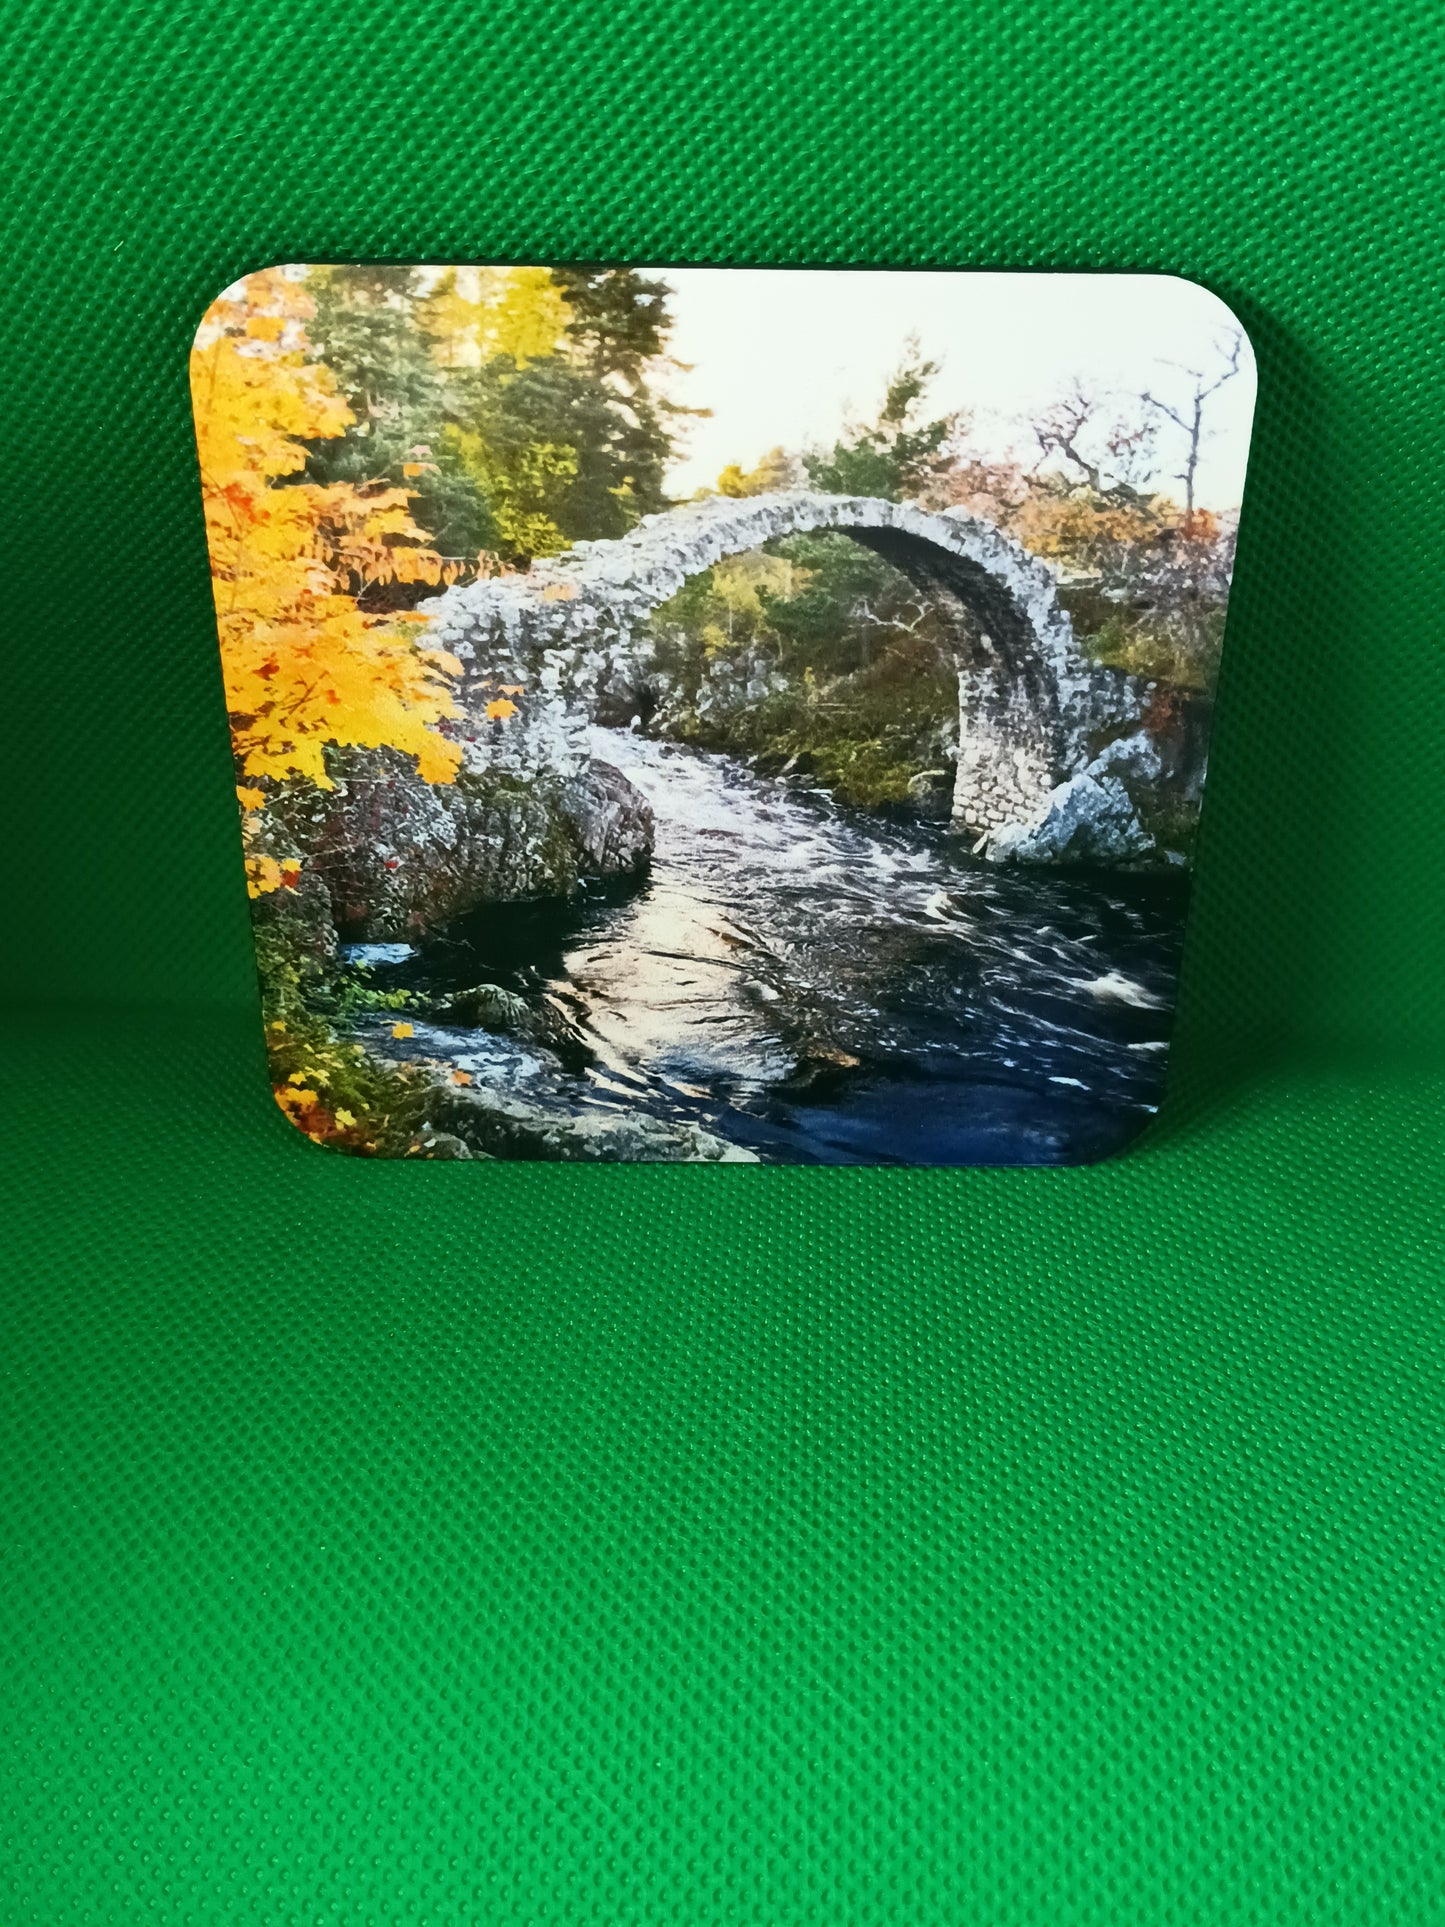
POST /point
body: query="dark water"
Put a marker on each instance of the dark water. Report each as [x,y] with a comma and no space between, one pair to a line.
[822,988]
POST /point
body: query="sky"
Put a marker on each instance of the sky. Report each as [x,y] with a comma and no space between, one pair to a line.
[788,356]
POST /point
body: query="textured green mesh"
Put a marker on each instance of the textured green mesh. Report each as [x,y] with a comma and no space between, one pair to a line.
[454,1544]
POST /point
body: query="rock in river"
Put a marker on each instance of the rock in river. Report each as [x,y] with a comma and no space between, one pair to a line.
[401,857]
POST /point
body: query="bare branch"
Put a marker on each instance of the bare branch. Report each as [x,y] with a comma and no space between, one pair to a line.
[1191,422]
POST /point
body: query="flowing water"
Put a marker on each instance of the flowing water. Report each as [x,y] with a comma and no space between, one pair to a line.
[821,987]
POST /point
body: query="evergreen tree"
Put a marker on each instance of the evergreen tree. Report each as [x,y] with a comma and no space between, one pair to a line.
[618,321]
[366,331]
[894,456]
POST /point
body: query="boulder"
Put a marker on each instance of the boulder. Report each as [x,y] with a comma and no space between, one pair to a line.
[488,1007]
[931,794]
[1134,758]
[442,1146]
[614,824]
[504,1124]
[1086,820]
[1092,818]
[401,857]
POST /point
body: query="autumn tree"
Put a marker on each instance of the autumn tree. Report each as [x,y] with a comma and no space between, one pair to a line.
[777,470]
[559,456]
[306,669]
[1145,580]
[571,444]
[475,315]
[408,355]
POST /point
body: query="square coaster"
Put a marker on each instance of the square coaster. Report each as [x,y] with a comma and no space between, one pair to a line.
[718,715]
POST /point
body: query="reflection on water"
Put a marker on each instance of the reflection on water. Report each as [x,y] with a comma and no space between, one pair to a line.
[823,988]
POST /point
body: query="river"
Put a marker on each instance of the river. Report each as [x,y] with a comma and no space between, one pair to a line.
[820,987]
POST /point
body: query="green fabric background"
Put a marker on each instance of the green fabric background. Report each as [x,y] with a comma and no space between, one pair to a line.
[421,1543]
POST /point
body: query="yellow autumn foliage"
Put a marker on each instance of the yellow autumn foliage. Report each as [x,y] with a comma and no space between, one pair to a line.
[1069,524]
[521,492]
[777,470]
[304,665]
[474,314]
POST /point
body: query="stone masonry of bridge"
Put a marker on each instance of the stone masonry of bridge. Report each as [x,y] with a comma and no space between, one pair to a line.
[1031,706]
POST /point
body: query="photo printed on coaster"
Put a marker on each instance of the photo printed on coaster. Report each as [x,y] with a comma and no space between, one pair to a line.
[719,715]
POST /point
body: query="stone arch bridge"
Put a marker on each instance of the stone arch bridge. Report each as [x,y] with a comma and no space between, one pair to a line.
[1032,707]
[531,811]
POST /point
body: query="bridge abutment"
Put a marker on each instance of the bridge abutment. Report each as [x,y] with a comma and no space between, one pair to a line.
[1005,772]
